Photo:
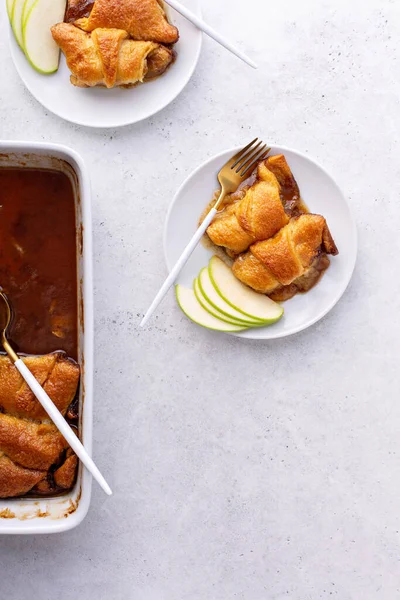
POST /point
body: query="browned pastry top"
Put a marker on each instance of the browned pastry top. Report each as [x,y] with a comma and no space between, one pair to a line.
[107,57]
[257,215]
[142,19]
[33,445]
[279,248]
[57,374]
[14,479]
[32,451]
[293,256]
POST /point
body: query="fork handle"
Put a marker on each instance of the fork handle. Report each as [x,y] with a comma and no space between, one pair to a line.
[181,262]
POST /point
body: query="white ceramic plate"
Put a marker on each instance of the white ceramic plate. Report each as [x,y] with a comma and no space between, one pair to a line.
[320,193]
[99,107]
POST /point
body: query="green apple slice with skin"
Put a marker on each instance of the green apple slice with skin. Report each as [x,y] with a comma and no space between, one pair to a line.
[25,11]
[10,4]
[16,21]
[210,293]
[40,48]
[210,308]
[239,296]
[193,309]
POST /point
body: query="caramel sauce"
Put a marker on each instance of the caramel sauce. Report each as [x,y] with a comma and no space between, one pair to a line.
[38,262]
[77,9]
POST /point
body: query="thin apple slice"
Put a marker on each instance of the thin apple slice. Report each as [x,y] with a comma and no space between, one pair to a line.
[10,4]
[211,295]
[40,48]
[16,21]
[25,11]
[211,309]
[239,296]
[193,309]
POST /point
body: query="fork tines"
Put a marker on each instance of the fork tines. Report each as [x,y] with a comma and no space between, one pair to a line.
[247,159]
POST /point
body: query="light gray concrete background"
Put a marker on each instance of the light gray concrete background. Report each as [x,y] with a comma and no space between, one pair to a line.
[259,471]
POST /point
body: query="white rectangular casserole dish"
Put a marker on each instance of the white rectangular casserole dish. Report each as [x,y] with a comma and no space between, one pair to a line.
[51,515]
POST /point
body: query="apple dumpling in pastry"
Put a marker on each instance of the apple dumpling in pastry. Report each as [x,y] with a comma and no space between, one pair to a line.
[114,43]
[107,57]
[278,247]
[258,216]
[34,457]
[290,259]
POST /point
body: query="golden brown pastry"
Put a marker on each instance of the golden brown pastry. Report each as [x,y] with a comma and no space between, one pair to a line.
[57,374]
[15,480]
[290,193]
[258,216]
[285,258]
[64,476]
[106,56]
[142,19]
[31,447]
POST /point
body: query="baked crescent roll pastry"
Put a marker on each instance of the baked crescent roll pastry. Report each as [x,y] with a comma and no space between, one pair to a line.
[290,193]
[283,259]
[32,445]
[258,216]
[33,453]
[142,19]
[16,480]
[106,56]
[57,374]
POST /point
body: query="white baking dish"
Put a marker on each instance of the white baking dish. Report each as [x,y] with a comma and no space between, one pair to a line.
[50,515]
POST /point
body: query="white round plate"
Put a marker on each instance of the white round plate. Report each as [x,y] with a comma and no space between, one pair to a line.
[321,194]
[100,107]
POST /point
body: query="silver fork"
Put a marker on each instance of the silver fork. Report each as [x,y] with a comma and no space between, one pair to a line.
[230,176]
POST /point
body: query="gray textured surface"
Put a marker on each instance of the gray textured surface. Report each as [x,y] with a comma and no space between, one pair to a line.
[260,471]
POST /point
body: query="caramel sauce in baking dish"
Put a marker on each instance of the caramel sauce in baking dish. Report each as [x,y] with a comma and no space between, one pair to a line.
[38,259]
